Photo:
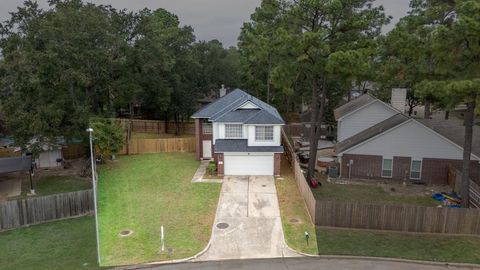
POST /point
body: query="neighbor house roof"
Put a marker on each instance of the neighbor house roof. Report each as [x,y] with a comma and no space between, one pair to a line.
[228,145]
[353,105]
[225,109]
[454,130]
[15,164]
[371,132]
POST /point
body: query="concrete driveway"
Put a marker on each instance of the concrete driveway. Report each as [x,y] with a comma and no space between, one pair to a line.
[247,222]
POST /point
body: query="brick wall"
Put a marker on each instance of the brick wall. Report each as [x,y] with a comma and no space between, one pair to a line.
[434,171]
[277,164]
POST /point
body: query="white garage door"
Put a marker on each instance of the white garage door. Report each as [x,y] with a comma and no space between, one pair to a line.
[248,165]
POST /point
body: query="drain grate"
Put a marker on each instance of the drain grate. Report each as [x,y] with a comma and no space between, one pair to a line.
[222,225]
[264,185]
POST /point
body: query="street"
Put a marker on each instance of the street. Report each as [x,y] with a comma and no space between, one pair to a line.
[307,263]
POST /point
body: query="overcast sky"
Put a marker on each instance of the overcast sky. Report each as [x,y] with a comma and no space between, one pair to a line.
[211,19]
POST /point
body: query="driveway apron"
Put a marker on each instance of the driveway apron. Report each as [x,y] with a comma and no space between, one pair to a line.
[247,222]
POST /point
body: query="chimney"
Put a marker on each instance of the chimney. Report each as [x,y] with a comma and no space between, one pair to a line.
[399,98]
[223,91]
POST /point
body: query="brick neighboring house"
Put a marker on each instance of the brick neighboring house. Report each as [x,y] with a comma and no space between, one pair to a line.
[402,148]
[241,133]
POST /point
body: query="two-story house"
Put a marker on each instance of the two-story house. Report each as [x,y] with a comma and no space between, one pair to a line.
[241,133]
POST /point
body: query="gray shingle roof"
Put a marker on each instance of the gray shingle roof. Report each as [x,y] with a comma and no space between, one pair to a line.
[15,164]
[240,146]
[352,106]
[224,110]
[371,132]
[454,130]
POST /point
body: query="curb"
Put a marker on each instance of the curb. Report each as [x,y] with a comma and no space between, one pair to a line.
[385,259]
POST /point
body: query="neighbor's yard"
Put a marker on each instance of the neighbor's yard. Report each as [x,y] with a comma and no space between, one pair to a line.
[68,244]
[332,241]
[142,193]
[49,185]
[367,194]
[461,249]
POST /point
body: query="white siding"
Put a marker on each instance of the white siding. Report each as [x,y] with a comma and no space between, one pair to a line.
[215,132]
[276,137]
[364,118]
[411,139]
[48,159]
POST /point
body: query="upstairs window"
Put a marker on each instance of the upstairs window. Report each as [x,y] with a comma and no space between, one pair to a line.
[264,133]
[233,131]
[416,169]
[207,128]
[387,167]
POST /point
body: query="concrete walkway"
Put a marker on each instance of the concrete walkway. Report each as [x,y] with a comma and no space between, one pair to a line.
[249,207]
[198,176]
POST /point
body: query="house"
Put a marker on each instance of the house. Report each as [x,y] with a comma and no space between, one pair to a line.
[241,133]
[401,148]
[360,114]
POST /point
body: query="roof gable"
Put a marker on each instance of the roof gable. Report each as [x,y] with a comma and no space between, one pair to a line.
[359,103]
[420,140]
[238,106]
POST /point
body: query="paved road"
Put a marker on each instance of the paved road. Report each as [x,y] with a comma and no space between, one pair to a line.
[249,205]
[306,263]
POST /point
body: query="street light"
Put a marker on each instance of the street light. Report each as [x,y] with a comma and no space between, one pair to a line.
[94,181]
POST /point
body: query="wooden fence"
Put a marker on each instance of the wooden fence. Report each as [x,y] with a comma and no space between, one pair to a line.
[73,151]
[405,218]
[302,184]
[19,213]
[158,127]
[149,146]
[455,181]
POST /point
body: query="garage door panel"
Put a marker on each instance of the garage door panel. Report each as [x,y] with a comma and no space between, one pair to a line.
[248,165]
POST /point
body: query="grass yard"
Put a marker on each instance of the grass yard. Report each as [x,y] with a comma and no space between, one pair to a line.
[366,194]
[68,244]
[49,185]
[292,206]
[143,192]
[460,249]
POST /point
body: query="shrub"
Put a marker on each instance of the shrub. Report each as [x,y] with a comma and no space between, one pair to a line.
[212,168]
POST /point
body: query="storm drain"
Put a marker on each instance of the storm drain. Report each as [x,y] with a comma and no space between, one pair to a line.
[222,225]
[125,233]
[264,185]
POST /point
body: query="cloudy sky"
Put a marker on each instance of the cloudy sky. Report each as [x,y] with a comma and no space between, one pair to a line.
[211,19]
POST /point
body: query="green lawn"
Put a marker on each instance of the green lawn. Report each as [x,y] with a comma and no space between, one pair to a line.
[440,248]
[49,185]
[366,194]
[143,192]
[292,206]
[68,244]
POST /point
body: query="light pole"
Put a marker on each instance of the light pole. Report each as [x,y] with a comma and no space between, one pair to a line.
[94,181]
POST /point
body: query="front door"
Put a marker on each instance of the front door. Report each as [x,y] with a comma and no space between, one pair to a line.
[207,149]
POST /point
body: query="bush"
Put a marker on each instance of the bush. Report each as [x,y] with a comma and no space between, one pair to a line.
[212,168]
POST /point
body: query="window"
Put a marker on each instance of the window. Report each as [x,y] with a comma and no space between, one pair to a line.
[387,167]
[207,128]
[416,169]
[263,133]
[233,131]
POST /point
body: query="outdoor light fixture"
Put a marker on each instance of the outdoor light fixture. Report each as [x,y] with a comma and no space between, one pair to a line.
[94,183]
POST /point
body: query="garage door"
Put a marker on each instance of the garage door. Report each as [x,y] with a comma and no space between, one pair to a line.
[248,165]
